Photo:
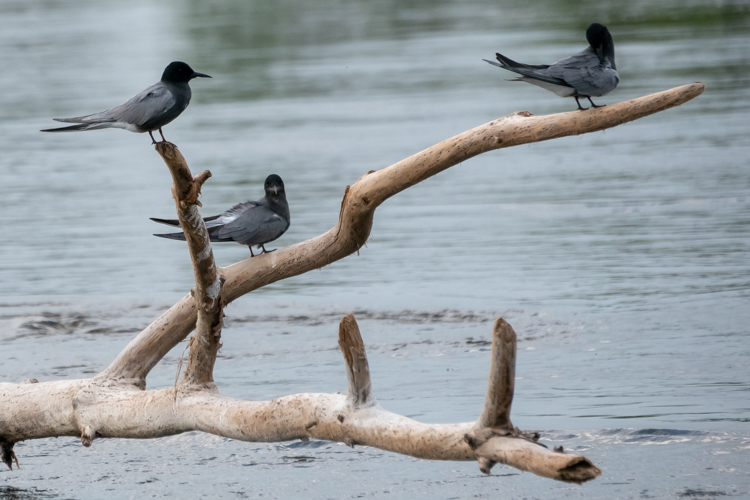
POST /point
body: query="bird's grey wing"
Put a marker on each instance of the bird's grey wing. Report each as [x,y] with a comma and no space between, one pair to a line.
[154,100]
[585,73]
[137,111]
[255,225]
[231,214]
[536,72]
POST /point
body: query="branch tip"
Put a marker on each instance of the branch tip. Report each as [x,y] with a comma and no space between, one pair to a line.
[486,465]
[7,455]
[579,471]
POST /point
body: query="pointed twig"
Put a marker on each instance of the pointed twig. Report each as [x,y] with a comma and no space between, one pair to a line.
[357,368]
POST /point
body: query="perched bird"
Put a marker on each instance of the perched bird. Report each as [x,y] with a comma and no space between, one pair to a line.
[591,73]
[150,110]
[250,223]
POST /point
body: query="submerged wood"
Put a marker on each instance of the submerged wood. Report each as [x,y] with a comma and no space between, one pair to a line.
[115,404]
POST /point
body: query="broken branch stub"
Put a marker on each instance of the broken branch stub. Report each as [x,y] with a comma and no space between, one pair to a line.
[496,411]
[357,368]
[208,281]
[115,404]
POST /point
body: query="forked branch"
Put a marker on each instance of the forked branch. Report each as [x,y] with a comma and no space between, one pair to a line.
[204,346]
[364,196]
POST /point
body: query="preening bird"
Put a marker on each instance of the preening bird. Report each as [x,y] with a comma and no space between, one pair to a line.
[590,73]
[249,223]
[150,110]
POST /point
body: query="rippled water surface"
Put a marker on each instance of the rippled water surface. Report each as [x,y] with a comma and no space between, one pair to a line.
[621,258]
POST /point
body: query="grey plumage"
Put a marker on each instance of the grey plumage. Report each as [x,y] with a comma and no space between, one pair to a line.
[148,111]
[590,73]
[250,223]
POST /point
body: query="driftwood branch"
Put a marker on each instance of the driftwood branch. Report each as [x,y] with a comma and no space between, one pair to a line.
[115,404]
[364,196]
[355,419]
[208,280]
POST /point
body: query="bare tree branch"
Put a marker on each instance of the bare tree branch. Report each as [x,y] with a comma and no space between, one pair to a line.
[208,281]
[362,198]
[114,404]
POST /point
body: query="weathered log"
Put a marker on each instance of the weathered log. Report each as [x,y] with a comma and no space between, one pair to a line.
[44,410]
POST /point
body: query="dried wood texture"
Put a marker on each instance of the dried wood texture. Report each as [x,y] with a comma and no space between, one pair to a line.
[363,197]
[357,368]
[129,366]
[114,404]
[496,411]
[45,410]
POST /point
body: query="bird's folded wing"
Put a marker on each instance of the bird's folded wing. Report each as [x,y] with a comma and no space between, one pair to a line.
[140,109]
[585,73]
[255,224]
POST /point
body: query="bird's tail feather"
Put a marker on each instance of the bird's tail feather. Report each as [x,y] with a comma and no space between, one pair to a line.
[494,63]
[168,222]
[535,72]
[510,64]
[172,236]
[78,128]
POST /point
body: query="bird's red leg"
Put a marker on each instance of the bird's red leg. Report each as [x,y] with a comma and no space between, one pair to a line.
[251,251]
[162,135]
[581,108]
[153,141]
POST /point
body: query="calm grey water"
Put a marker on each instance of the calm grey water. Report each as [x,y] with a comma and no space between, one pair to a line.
[621,258]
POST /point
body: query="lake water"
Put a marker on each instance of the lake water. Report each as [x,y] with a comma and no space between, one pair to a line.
[621,258]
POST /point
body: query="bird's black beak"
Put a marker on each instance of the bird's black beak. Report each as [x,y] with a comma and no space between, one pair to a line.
[202,75]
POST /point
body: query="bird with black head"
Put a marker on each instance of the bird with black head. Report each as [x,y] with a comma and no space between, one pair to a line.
[148,111]
[590,73]
[250,223]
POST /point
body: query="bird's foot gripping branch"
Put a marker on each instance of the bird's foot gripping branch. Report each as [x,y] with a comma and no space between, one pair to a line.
[114,403]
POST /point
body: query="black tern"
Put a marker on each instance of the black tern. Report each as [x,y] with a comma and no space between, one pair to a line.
[591,73]
[250,223]
[148,111]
